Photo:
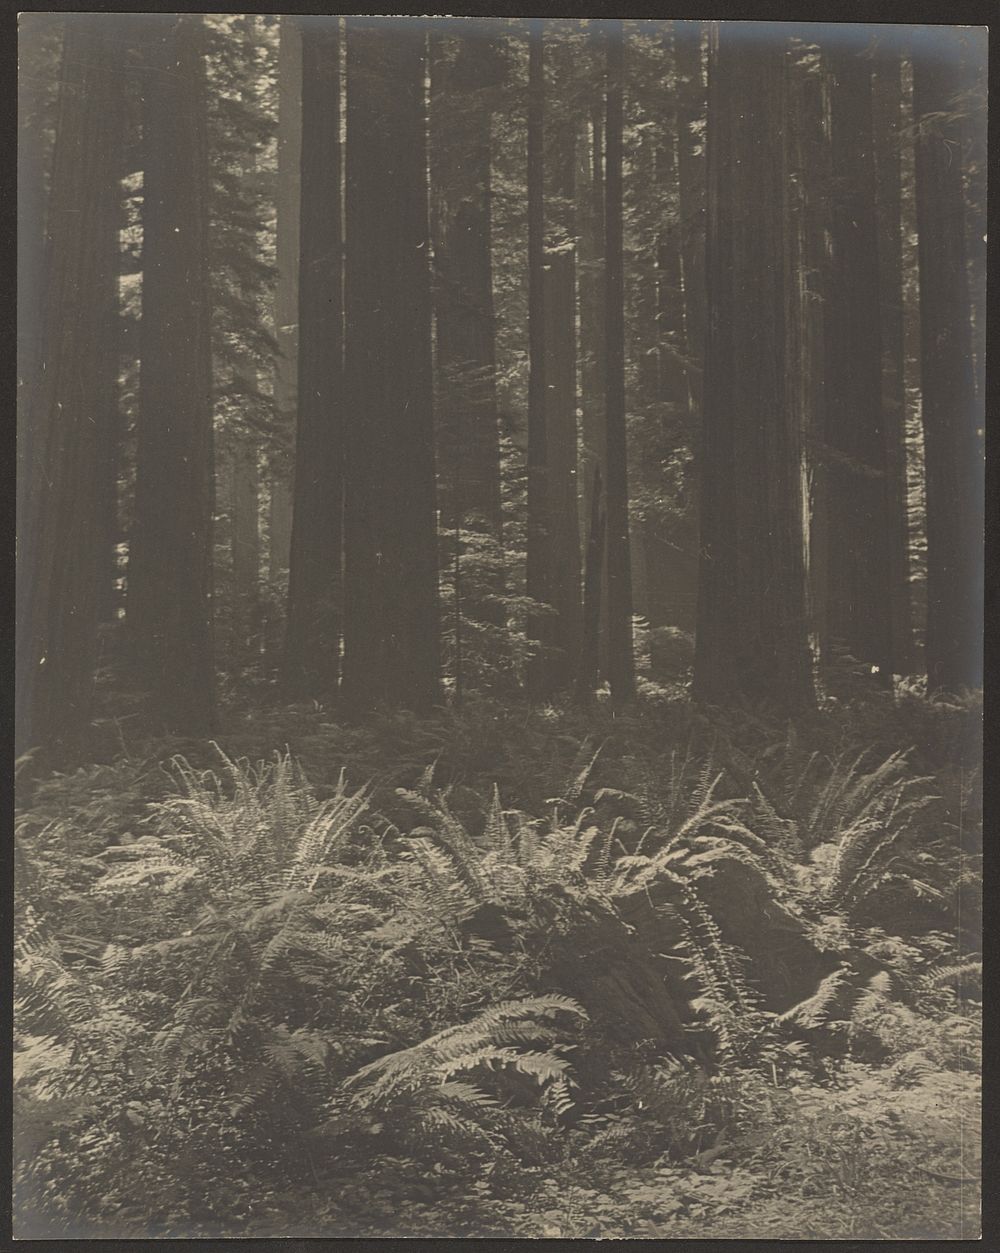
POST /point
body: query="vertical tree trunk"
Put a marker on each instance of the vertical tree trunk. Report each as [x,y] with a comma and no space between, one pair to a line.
[391,627]
[952,416]
[690,116]
[245,533]
[170,560]
[859,562]
[751,633]
[312,648]
[587,674]
[887,120]
[621,665]
[468,430]
[60,536]
[539,561]
[590,267]
[464,74]
[560,422]
[286,299]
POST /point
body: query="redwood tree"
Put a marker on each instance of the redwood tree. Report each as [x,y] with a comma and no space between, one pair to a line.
[952,413]
[751,631]
[60,534]
[539,560]
[855,453]
[314,574]
[169,603]
[621,663]
[391,641]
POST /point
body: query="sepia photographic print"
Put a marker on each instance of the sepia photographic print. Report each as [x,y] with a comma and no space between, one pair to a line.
[499,584]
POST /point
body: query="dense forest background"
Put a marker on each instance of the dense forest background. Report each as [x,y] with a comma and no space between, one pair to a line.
[552,451]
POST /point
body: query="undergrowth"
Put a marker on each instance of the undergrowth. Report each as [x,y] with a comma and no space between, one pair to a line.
[456,976]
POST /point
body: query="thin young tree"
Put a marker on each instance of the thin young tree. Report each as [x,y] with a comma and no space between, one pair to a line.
[621,662]
[952,412]
[887,106]
[859,500]
[751,632]
[286,294]
[467,69]
[391,616]
[169,601]
[539,559]
[60,534]
[312,648]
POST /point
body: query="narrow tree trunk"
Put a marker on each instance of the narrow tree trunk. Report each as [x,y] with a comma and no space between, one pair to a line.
[312,647]
[588,673]
[59,541]
[107,414]
[751,633]
[887,119]
[286,299]
[245,538]
[858,565]
[590,266]
[621,665]
[464,72]
[690,114]
[468,430]
[539,561]
[952,416]
[391,626]
[560,422]
[170,560]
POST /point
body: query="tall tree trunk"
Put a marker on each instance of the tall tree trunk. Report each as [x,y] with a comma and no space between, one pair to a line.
[245,538]
[312,648]
[952,415]
[590,267]
[468,430]
[859,562]
[587,675]
[887,121]
[539,559]
[60,536]
[391,622]
[751,632]
[560,423]
[621,664]
[465,72]
[286,298]
[170,559]
[690,118]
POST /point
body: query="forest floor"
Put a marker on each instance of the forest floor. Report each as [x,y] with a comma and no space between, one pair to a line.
[325,995]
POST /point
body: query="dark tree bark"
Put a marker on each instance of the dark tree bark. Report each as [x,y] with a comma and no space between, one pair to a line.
[312,651]
[539,559]
[561,429]
[858,563]
[560,279]
[170,558]
[60,534]
[590,650]
[286,298]
[887,118]
[590,270]
[391,627]
[466,69]
[468,435]
[751,633]
[245,536]
[690,161]
[952,415]
[621,664]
